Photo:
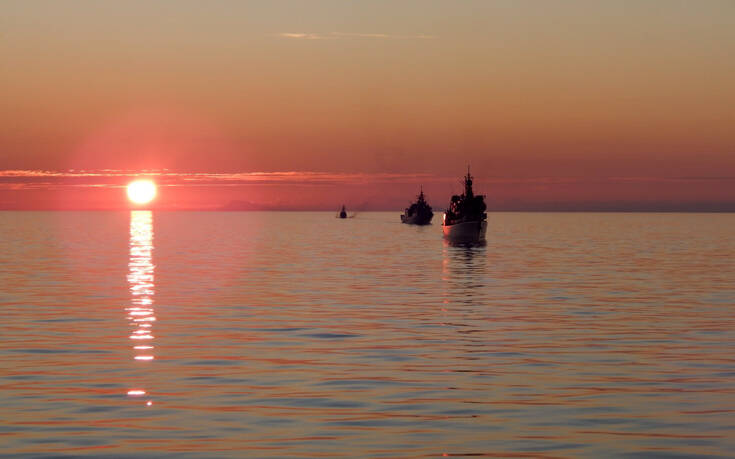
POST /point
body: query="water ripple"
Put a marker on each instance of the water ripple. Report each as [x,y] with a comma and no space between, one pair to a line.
[295,335]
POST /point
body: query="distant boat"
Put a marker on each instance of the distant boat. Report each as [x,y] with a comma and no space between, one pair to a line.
[419,213]
[343,212]
[465,222]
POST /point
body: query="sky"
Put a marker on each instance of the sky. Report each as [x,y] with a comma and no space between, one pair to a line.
[555,105]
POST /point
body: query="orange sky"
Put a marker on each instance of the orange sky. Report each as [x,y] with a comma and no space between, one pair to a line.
[555,104]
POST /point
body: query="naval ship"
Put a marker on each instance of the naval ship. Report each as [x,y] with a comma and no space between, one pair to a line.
[419,213]
[465,221]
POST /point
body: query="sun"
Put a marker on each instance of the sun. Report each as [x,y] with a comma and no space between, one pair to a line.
[141,191]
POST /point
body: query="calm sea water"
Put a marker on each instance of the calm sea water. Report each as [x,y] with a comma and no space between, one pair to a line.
[301,335]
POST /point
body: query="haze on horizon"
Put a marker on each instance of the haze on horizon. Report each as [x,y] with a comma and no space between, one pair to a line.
[556,105]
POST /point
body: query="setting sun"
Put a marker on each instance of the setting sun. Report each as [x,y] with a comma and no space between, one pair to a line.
[141,191]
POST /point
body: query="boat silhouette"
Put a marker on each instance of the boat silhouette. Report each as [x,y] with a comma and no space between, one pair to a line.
[419,213]
[465,221]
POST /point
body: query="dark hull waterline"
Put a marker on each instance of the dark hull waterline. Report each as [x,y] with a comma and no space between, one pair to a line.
[417,219]
[466,232]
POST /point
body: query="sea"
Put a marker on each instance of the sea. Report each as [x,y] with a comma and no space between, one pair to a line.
[287,334]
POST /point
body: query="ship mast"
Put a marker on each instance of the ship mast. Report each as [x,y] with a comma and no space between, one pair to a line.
[468,184]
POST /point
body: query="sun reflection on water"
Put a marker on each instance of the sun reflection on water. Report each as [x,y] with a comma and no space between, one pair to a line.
[141,283]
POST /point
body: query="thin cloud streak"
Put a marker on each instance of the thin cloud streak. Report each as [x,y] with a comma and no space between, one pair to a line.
[314,190]
[348,35]
[115,178]
[112,178]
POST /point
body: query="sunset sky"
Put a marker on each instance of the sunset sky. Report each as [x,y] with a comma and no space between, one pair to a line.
[626,105]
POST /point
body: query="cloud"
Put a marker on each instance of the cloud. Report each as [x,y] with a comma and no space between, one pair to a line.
[34,179]
[62,189]
[349,35]
[307,36]
[115,175]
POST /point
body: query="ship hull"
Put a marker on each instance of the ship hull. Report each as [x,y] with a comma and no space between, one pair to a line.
[416,219]
[466,232]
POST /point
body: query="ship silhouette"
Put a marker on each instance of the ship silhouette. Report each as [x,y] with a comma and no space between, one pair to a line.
[465,221]
[419,213]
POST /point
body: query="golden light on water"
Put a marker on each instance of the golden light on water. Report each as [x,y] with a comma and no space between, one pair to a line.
[141,275]
[141,191]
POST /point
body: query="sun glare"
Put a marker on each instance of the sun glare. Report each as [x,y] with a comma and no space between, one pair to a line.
[141,191]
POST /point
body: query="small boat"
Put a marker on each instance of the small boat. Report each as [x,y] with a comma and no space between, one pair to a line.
[343,212]
[419,213]
[465,222]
